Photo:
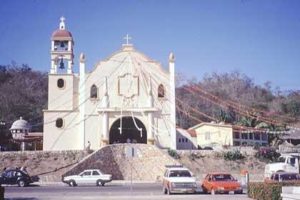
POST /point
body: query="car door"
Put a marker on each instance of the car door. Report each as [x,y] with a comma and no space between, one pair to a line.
[95,176]
[11,177]
[84,178]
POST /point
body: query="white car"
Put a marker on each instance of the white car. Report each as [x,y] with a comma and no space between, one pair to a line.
[178,179]
[89,176]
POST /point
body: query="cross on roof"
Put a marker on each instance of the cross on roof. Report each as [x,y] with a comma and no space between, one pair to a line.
[62,19]
[127,38]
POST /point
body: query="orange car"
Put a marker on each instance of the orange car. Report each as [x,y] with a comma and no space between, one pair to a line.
[221,183]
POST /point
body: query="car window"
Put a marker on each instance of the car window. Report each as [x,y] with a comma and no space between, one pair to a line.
[10,174]
[95,173]
[222,177]
[180,173]
[88,173]
[281,159]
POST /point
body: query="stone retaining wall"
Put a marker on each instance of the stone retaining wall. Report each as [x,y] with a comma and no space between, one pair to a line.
[48,165]
[201,162]
[148,164]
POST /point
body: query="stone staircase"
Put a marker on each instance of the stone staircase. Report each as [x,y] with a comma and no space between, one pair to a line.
[148,164]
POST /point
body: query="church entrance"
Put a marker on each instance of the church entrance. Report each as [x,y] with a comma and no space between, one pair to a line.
[132,130]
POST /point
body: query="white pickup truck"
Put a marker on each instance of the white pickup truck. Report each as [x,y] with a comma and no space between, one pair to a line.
[89,176]
[287,163]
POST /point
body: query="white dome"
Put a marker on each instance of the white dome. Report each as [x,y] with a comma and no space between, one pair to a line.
[20,124]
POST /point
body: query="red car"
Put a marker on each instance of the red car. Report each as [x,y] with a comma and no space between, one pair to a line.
[221,183]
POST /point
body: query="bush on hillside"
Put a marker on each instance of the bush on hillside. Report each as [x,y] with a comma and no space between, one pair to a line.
[173,153]
[267,154]
[233,155]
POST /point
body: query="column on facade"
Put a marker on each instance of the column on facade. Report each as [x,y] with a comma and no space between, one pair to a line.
[172,101]
[150,135]
[52,45]
[70,63]
[53,67]
[82,99]
[105,104]
[69,45]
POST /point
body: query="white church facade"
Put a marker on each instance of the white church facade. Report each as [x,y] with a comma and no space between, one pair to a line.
[126,98]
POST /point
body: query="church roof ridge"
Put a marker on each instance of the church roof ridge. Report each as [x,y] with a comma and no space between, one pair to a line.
[129,48]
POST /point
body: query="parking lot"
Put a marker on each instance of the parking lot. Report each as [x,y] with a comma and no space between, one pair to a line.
[110,191]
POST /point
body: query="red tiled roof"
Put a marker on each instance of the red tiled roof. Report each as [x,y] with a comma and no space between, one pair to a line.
[61,33]
[192,133]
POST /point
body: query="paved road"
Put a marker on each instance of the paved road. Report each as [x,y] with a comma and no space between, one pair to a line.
[143,191]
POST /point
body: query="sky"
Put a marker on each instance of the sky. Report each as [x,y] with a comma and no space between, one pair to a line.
[260,38]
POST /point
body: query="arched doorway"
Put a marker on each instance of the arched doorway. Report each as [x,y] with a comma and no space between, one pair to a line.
[130,132]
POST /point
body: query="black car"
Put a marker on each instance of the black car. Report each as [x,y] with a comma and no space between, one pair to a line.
[15,176]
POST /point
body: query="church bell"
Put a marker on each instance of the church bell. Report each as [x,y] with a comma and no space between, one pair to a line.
[61,64]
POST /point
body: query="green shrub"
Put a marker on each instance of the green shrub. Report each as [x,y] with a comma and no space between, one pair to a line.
[267,154]
[267,191]
[173,153]
[233,155]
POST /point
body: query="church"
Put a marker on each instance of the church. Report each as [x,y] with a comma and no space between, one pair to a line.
[126,98]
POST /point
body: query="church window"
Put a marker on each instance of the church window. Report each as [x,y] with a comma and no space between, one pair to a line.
[161,91]
[60,83]
[59,123]
[94,92]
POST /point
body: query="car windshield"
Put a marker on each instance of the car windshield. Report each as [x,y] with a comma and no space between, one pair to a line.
[180,173]
[222,177]
[281,159]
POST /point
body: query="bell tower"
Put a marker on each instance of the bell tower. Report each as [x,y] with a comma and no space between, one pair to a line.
[62,50]
[62,81]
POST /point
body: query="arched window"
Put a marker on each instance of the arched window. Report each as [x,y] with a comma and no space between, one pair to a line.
[59,122]
[94,92]
[161,91]
[60,83]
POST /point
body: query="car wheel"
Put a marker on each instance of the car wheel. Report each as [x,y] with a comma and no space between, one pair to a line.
[238,192]
[21,183]
[72,183]
[164,190]
[99,182]
[204,190]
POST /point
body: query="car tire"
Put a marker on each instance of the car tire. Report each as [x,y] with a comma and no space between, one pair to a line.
[204,190]
[165,190]
[72,183]
[21,183]
[99,182]
[238,192]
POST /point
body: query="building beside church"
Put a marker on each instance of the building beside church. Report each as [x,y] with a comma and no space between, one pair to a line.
[213,134]
[126,98]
